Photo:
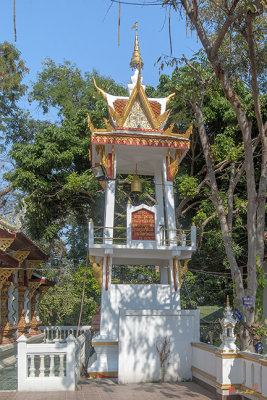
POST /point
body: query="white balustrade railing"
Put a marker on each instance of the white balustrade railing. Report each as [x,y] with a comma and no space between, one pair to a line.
[53,334]
[50,366]
[230,373]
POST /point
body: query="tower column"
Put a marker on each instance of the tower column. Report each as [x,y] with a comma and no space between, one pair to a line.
[110,207]
[169,207]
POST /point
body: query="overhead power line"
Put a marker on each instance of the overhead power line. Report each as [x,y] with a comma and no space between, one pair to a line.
[129,3]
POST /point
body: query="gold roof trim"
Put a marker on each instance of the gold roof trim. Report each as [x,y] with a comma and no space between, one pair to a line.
[92,127]
[168,98]
[100,91]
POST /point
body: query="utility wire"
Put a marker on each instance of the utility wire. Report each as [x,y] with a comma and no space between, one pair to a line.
[137,4]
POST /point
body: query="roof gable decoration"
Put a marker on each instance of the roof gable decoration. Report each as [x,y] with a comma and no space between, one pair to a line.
[138,111]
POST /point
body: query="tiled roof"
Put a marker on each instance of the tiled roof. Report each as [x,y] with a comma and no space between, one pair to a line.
[156,108]
[119,105]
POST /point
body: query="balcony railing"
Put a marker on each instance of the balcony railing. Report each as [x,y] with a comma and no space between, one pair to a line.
[121,236]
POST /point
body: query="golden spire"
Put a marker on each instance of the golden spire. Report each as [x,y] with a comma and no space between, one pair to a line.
[136,61]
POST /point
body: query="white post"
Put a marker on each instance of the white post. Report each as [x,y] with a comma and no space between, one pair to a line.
[170,208]
[91,234]
[22,362]
[109,211]
[160,209]
[70,362]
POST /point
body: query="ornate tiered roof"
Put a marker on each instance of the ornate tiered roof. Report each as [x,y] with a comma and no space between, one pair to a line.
[137,112]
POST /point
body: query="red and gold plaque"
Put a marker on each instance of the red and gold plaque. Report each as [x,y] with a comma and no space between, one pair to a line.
[143,225]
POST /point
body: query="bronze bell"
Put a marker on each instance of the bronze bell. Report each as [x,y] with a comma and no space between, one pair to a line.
[136,185]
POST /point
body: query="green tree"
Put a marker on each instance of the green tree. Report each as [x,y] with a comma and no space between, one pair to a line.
[235,18]
[52,166]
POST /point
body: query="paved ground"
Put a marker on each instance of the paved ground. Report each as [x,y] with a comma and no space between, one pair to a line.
[108,390]
[8,378]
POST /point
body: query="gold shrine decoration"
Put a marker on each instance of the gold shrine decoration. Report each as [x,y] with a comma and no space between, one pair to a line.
[21,255]
[4,275]
[136,61]
[186,135]
[106,160]
[5,243]
[93,129]
[33,286]
[173,164]
[32,265]
[182,270]
[97,270]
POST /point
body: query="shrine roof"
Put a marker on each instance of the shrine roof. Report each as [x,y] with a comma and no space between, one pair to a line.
[22,242]
[42,279]
[5,234]
[7,260]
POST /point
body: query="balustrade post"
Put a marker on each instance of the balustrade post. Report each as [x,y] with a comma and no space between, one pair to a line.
[70,362]
[32,366]
[42,366]
[52,365]
[22,362]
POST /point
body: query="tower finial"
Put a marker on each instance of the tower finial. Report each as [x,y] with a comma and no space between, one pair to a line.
[136,60]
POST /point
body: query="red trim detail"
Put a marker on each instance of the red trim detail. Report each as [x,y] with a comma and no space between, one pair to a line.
[110,166]
[174,275]
[140,140]
[107,376]
[121,128]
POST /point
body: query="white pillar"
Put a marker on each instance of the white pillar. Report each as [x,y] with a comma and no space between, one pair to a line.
[169,206]
[109,207]
[22,362]
[159,196]
[70,362]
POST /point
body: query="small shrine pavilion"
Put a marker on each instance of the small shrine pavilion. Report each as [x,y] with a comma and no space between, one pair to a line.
[135,316]
[21,287]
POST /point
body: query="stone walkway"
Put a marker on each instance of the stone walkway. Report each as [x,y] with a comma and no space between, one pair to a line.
[108,390]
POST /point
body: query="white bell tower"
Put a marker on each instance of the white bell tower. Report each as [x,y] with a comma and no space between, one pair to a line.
[135,135]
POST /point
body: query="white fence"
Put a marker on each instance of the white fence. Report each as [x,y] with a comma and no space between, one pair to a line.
[53,334]
[50,366]
[241,373]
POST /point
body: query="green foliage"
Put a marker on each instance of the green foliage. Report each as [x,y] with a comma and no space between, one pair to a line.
[61,304]
[202,288]
[187,185]
[224,148]
[135,274]
[52,163]
[261,284]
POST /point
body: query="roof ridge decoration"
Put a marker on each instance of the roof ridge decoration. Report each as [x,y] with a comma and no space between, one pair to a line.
[136,61]
[139,110]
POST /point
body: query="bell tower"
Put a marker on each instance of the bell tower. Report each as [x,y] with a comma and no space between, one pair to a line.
[136,141]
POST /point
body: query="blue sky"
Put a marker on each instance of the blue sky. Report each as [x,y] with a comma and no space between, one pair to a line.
[82,32]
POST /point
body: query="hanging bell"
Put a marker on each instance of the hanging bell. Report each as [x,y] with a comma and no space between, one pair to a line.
[136,185]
